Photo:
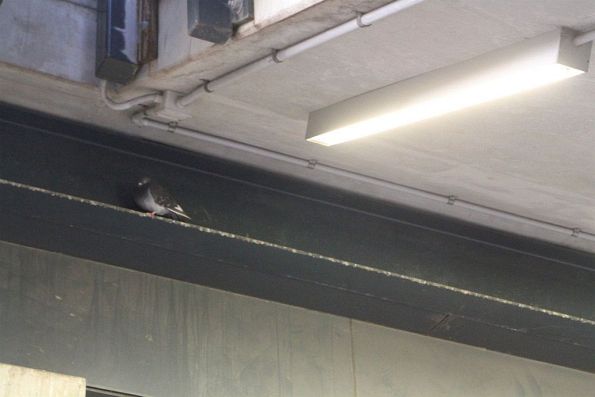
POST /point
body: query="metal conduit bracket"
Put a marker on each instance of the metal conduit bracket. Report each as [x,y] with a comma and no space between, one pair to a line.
[275,56]
[171,126]
[205,85]
[576,232]
[138,118]
[168,109]
[359,21]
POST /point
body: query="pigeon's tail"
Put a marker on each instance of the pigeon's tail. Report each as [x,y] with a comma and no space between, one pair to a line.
[179,214]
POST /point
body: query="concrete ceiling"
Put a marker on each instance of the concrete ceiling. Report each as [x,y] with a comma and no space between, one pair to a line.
[531,154]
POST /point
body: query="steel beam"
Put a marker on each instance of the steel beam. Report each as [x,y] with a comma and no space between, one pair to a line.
[67,187]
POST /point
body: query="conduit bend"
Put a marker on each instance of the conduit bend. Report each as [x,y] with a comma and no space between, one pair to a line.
[141,100]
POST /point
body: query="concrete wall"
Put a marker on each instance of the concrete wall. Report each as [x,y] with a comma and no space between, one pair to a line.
[141,334]
[26,382]
[56,37]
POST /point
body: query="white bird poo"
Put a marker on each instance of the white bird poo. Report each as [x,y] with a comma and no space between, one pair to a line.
[386,273]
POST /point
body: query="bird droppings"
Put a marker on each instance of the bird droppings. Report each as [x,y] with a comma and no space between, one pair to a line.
[313,255]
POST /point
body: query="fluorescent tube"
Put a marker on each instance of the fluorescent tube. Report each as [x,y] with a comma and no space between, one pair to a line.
[533,63]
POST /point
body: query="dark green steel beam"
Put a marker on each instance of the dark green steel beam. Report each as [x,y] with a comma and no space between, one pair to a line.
[67,188]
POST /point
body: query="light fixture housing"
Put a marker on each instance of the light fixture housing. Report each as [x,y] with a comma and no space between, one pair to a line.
[529,64]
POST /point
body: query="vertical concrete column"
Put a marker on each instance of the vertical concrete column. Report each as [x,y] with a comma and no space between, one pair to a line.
[26,382]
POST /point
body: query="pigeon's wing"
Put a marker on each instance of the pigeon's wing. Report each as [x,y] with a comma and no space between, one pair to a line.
[164,199]
[178,213]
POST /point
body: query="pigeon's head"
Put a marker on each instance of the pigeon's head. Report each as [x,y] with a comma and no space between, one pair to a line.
[145,181]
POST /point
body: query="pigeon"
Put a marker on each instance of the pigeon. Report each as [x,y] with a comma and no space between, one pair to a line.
[156,200]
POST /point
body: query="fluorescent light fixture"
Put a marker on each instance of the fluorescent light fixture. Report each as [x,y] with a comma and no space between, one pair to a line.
[529,64]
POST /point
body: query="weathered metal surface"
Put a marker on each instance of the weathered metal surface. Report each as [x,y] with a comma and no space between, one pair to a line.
[389,365]
[150,336]
[276,238]
[143,335]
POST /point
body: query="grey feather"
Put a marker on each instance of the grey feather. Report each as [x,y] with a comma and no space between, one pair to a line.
[154,198]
